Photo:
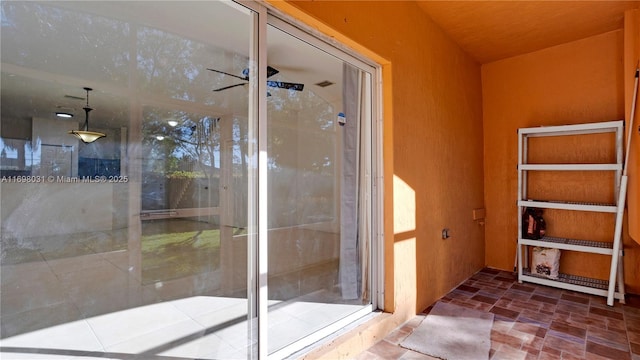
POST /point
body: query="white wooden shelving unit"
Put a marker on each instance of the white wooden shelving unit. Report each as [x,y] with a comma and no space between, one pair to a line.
[613,248]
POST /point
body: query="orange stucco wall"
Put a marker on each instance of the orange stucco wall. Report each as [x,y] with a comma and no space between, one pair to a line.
[433,156]
[631,63]
[578,82]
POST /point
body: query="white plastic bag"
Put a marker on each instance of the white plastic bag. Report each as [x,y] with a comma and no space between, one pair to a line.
[546,262]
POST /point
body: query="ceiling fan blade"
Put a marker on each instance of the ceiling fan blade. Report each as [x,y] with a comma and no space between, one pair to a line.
[270,72]
[229,87]
[246,78]
[285,85]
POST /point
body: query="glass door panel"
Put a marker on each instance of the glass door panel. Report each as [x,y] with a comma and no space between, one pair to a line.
[317,164]
[135,243]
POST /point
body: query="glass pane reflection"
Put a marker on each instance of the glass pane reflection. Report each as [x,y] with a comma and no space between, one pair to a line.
[138,243]
[122,242]
[316,172]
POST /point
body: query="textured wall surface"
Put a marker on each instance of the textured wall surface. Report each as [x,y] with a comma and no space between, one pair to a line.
[631,63]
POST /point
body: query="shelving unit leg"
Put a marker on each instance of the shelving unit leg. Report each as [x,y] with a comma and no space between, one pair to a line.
[617,240]
[519,254]
[621,277]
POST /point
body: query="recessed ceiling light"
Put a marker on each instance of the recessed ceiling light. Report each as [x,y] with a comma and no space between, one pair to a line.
[65,115]
[160,137]
[172,123]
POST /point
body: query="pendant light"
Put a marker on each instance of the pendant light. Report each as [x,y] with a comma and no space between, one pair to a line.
[85,135]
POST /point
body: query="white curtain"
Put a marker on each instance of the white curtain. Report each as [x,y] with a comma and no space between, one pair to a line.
[354,248]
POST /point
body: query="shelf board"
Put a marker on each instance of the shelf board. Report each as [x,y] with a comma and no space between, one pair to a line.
[594,247]
[572,282]
[606,208]
[576,129]
[571,167]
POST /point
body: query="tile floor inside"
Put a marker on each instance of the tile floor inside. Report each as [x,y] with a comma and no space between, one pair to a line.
[200,327]
[534,322]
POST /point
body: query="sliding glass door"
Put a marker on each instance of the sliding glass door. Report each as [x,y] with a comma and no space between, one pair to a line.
[225,211]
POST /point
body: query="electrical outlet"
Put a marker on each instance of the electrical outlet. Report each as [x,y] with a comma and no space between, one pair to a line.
[478,214]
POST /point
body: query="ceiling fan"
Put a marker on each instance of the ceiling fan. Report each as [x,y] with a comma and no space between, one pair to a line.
[271,83]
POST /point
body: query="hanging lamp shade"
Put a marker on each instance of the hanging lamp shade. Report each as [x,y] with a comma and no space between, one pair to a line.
[85,135]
